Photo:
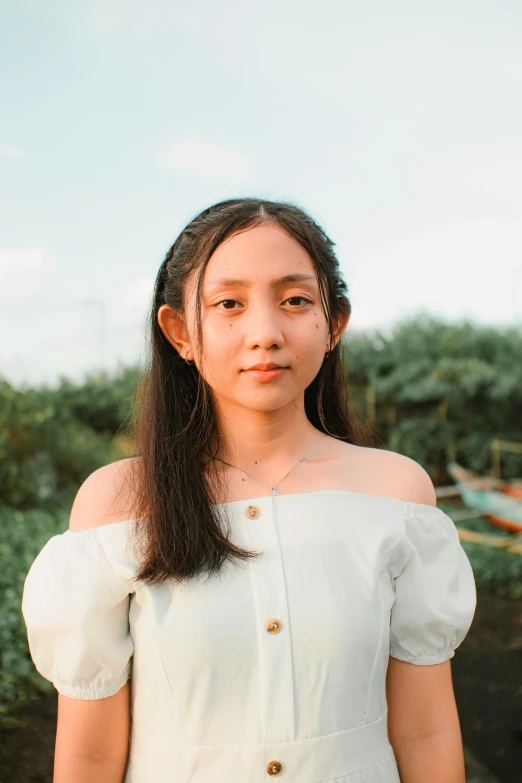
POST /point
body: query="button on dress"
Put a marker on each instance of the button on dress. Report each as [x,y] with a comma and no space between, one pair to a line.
[276,667]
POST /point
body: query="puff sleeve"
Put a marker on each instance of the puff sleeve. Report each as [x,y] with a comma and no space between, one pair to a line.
[76,609]
[435,594]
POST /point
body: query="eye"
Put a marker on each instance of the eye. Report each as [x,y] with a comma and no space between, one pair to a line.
[307,301]
[234,301]
[223,301]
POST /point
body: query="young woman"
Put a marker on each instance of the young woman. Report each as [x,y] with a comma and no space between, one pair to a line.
[285,593]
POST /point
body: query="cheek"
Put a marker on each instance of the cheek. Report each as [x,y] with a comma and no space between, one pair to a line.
[220,354]
[222,340]
[309,347]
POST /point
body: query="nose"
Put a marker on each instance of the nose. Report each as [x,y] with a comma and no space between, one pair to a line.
[263,325]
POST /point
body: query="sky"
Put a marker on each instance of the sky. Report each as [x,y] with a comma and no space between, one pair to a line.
[398,126]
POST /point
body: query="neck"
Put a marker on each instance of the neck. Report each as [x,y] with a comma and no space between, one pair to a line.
[264,447]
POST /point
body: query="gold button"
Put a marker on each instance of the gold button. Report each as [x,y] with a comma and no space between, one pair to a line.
[252,512]
[273,625]
[274,768]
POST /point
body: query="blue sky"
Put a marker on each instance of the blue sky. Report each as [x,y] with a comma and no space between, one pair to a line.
[397,125]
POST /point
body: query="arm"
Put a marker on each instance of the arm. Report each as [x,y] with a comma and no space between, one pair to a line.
[92,735]
[423,723]
[92,739]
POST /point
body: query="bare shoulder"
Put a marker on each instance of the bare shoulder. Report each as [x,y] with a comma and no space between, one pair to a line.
[383,472]
[404,477]
[104,497]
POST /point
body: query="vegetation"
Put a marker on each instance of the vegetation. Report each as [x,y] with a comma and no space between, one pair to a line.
[435,391]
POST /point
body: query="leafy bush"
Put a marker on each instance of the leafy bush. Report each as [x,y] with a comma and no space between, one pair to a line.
[22,536]
[497,571]
[431,388]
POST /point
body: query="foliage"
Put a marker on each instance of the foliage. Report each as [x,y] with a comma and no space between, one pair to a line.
[432,389]
[22,535]
[497,571]
[443,390]
[52,439]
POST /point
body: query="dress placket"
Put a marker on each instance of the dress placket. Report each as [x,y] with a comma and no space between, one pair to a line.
[271,601]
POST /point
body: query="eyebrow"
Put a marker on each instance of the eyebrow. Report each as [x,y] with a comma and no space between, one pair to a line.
[234,283]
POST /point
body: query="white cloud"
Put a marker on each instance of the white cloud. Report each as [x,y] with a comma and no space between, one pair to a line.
[17,264]
[119,17]
[191,19]
[495,169]
[131,20]
[10,151]
[205,157]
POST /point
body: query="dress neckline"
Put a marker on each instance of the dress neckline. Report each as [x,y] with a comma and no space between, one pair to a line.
[259,498]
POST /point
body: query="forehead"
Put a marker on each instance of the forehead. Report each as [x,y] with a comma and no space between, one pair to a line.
[258,253]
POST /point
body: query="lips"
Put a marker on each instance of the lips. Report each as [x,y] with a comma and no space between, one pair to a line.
[265,376]
[266,367]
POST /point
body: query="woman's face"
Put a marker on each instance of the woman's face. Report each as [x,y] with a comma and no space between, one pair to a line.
[251,315]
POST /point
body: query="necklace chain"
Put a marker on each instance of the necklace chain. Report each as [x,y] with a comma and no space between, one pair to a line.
[272,486]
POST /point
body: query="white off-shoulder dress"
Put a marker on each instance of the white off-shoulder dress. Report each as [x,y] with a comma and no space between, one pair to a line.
[274,668]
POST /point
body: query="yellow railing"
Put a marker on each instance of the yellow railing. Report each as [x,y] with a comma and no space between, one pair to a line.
[497,446]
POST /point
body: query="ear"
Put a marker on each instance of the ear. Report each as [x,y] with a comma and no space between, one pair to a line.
[340,325]
[174,328]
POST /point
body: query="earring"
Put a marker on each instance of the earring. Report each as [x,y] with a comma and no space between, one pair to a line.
[188,362]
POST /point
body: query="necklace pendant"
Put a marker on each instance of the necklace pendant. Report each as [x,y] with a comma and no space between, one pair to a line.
[274,491]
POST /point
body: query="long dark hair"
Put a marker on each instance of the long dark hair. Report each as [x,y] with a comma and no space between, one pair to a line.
[178,521]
